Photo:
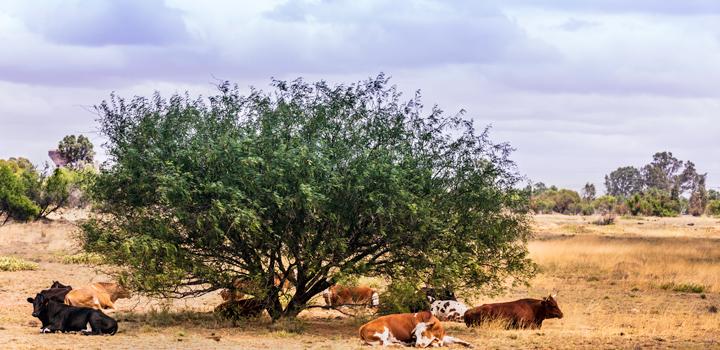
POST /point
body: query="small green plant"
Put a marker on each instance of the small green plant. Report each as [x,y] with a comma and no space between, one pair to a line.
[11,263]
[82,259]
[287,327]
[683,287]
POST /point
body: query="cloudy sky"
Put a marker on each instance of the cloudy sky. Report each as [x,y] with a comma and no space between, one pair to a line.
[578,87]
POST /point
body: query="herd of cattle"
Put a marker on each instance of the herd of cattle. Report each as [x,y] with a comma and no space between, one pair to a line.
[61,308]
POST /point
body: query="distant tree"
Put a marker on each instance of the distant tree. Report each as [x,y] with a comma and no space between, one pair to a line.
[624,182]
[538,188]
[308,182]
[77,151]
[605,204]
[588,192]
[713,195]
[698,198]
[14,203]
[670,174]
[654,202]
[713,207]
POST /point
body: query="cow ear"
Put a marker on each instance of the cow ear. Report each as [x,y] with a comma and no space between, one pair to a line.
[553,295]
[430,299]
[430,324]
[30,300]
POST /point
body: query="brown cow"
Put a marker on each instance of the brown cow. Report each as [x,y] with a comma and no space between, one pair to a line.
[342,295]
[420,329]
[523,313]
[99,295]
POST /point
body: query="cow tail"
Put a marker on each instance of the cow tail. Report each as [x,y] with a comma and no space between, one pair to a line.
[114,329]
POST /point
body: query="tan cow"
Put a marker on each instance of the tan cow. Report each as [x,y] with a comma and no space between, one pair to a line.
[420,329]
[99,295]
[342,295]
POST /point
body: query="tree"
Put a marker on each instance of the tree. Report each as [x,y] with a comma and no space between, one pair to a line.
[588,192]
[310,182]
[698,198]
[14,204]
[664,173]
[713,195]
[624,182]
[77,151]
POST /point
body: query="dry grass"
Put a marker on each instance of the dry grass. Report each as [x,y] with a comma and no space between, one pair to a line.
[625,285]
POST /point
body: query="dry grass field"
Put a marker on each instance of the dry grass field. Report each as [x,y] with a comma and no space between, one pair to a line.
[639,283]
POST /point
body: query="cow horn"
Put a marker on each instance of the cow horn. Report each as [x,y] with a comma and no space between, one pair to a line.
[554,294]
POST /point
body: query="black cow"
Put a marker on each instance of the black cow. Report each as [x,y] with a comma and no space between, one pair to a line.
[56,292]
[58,317]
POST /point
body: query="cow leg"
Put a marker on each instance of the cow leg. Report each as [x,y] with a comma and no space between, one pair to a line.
[447,340]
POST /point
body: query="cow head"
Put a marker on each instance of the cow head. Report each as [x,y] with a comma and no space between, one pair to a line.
[57,284]
[40,304]
[552,310]
[430,333]
[123,292]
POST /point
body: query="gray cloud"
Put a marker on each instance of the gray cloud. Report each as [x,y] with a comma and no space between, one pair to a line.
[107,22]
[684,7]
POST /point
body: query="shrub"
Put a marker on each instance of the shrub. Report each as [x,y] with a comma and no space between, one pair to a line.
[654,202]
[82,259]
[713,207]
[605,219]
[401,297]
[11,263]
[14,203]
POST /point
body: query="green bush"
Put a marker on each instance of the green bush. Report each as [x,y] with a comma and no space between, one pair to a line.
[401,297]
[14,203]
[713,207]
[82,259]
[11,263]
[653,202]
[561,201]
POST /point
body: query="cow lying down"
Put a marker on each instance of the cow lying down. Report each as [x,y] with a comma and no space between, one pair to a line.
[57,317]
[420,329]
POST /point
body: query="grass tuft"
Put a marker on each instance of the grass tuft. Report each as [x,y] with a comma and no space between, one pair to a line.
[82,259]
[683,287]
[11,263]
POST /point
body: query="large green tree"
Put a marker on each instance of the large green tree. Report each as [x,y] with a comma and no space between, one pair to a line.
[14,202]
[624,182]
[77,150]
[308,181]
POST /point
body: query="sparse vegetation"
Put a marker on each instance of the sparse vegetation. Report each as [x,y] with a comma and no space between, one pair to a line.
[82,258]
[683,287]
[11,263]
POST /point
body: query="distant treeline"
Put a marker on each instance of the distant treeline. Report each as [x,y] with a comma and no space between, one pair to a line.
[666,186]
[30,193]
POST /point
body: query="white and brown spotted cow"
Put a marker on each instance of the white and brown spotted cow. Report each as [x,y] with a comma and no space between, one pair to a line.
[448,310]
[420,329]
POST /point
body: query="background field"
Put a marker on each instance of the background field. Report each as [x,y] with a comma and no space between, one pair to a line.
[640,283]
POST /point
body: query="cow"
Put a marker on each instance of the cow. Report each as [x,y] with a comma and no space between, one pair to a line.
[99,295]
[236,309]
[523,313]
[420,329]
[338,295]
[56,292]
[427,295]
[448,310]
[438,293]
[58,317]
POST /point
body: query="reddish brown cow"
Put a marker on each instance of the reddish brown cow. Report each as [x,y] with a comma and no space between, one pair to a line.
[420,329]
[342,295]
[523,313]
[236,309]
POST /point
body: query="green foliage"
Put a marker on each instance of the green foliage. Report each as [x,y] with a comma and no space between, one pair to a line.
[684,287]
[308,181]
[588,192]
[713,207]
[713,195]
[624,182]
[14,203]
[82,259]
[77,151]
[605,204]
[11,263]
[401,296]
[653,202]
[561,201]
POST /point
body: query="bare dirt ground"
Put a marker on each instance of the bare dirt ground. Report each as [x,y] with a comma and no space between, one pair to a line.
[640,283]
